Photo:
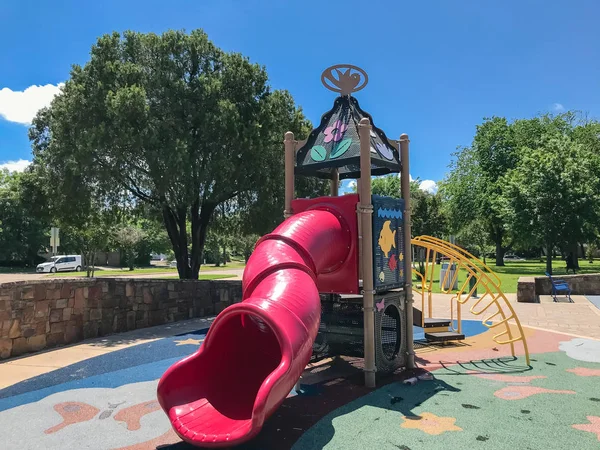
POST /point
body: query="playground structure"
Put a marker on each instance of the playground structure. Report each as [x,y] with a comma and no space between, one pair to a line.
[332,279]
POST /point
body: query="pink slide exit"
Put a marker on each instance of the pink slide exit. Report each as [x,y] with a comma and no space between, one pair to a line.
[256,350]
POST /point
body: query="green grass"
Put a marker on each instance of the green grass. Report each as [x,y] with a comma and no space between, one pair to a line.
[107,273]
[143,271]
[509,275]
[209,276]
[132,274]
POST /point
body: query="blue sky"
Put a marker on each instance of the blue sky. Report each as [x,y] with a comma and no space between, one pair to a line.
[436,68]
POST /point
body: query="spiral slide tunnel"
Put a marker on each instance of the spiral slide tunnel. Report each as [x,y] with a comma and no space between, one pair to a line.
[255,351]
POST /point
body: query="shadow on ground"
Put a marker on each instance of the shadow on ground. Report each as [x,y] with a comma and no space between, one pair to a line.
[339,386]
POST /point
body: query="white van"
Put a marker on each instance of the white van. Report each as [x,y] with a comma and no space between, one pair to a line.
[62,263]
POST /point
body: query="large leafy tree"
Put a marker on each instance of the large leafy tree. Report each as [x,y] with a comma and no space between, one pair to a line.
[173,121]
[552,193]
[474,189]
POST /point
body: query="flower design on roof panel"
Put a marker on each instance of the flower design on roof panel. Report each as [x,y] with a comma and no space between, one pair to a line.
[335,132]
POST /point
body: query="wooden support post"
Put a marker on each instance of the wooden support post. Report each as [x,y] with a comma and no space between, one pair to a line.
[366,214]
[335,182]
[405,187]
[290,154]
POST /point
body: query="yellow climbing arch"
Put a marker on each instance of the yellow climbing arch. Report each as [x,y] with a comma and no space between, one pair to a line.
[500,312]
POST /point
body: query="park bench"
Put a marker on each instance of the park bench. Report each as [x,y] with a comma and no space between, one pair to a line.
[559,286]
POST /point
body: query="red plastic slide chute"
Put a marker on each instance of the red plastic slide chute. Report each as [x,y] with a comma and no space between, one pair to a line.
[256,350]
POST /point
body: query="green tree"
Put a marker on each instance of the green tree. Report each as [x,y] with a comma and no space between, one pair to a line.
[175,122]
[552,193]
[128,239]
[475,236]
[428,217]
[474,188]
[24,230]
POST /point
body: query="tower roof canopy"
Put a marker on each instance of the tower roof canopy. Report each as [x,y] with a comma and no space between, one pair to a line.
[335,143]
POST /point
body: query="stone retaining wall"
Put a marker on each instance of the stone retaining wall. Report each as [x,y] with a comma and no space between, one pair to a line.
[41,314]
[530,288]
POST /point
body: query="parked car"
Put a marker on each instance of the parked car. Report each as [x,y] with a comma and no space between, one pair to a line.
[62,263]
[513,258]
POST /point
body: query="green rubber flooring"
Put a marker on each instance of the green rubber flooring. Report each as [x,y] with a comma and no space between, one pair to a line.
[498,404]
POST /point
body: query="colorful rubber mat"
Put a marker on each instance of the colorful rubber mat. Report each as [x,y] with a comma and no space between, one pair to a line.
[479,397]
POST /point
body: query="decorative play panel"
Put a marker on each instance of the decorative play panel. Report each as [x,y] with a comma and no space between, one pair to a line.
[388,256]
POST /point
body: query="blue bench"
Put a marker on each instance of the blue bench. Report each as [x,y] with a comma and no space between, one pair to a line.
[559,286]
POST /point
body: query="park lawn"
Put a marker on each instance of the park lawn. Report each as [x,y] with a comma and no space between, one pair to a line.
[113,272]
[509,274]
[132,274]
[205,276]
[143,271]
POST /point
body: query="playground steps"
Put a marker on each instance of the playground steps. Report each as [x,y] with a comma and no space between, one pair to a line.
[444,336]
[436,330]
[436,323]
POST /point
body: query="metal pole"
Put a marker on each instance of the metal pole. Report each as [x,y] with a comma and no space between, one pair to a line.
[405,187]
[366,211]
[290,149]
[335,182]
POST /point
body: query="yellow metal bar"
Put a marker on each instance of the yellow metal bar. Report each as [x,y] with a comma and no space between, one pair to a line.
[422,297]
[486,279]
[495,324]
[488,319]
[460,250]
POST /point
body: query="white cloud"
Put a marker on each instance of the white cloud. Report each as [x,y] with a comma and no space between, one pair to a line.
[558,107]
[428,186]
[21,106]
[351,184]
[15,166]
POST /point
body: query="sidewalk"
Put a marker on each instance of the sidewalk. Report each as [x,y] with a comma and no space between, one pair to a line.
[581,318]
[18,369]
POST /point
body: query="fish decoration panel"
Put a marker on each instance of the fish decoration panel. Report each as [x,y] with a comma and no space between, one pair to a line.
[388,243]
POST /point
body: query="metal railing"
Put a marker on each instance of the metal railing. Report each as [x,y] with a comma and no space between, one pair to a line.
[485,279]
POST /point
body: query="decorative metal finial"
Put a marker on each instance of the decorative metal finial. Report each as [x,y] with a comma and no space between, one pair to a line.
[344,78]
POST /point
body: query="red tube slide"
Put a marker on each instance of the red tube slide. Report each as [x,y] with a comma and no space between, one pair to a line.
[256,350]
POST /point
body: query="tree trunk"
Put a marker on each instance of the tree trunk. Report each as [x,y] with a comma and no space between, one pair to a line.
[188,266]
[200,220]
[499,252]
[224,255]
[575,250]
[178,238]
[549,259]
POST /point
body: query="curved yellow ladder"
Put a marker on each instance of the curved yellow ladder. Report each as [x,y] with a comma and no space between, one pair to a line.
[485,279]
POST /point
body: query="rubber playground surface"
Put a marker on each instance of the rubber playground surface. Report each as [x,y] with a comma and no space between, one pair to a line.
[479,397]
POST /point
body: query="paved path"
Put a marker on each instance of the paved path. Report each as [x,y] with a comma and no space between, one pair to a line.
[18,369]
[581,318]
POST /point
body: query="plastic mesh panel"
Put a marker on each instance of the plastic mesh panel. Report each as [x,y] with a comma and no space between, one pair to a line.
[390,333]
